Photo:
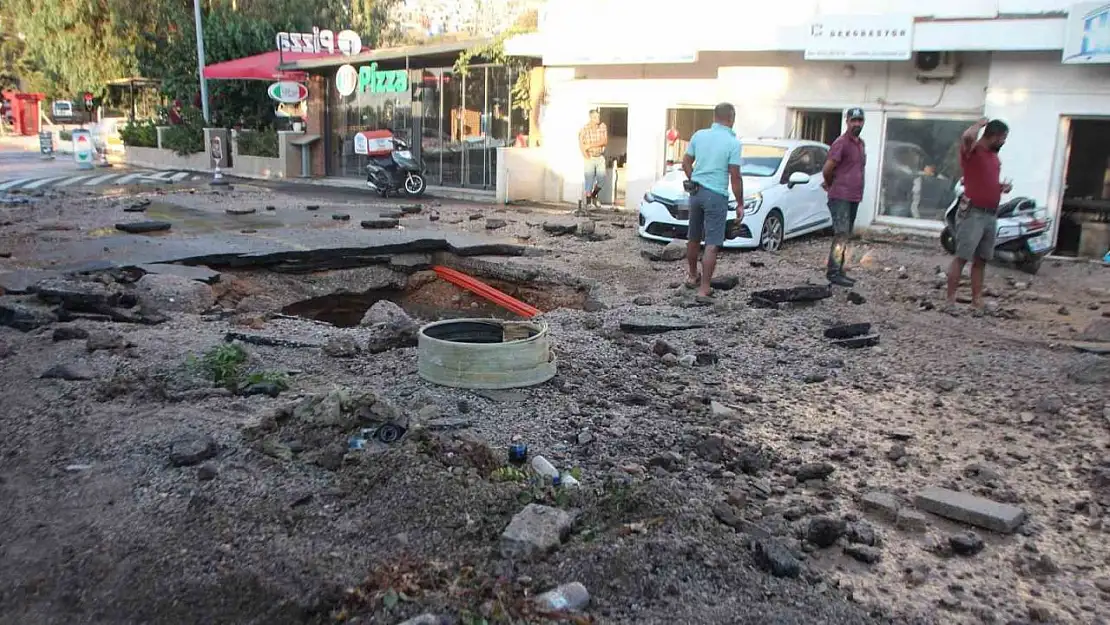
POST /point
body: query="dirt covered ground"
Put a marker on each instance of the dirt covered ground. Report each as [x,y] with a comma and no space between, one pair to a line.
[137,491]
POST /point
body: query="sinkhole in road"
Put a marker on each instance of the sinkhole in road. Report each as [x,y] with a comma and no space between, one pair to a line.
[424,295]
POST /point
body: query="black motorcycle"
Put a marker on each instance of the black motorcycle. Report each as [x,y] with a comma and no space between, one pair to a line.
[396,172]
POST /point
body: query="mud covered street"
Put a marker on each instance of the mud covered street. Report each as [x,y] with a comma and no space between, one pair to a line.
[176,439]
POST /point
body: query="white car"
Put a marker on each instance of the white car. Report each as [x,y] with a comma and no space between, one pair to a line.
[784,198]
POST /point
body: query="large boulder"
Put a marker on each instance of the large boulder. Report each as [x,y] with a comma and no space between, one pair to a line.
[175,294]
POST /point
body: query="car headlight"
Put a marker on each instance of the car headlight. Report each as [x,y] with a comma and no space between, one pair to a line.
[752,204]
[649,198]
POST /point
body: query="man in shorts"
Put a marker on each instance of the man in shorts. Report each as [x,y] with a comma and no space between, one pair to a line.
[976,214]
[843,180]
[712,164]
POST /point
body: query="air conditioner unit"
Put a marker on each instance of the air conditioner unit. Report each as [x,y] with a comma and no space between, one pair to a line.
[936,65]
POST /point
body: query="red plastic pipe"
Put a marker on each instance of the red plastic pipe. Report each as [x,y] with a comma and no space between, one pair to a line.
[486,291]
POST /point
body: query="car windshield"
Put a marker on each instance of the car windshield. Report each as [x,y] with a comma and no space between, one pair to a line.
[761,161]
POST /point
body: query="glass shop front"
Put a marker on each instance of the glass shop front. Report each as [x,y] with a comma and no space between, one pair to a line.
[455,123]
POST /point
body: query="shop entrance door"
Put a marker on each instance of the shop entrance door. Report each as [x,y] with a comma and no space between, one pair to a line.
[1083,213]
[615,119]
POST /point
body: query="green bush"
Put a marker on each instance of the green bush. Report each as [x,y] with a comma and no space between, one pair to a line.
[258,143]
[187,137]
[65,135]
[139,134]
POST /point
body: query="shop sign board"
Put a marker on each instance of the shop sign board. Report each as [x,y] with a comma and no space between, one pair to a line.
[320,41]
[346,80]
[287,92]
[82,148]
[860,38]
[46,143]
[369,79]
[1087,34]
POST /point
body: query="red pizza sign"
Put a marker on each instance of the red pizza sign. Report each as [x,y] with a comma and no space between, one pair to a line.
[288,92]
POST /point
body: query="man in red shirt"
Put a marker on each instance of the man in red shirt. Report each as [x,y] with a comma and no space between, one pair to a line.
[976,216]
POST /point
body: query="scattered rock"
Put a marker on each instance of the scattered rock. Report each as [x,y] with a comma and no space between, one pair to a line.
[174,293]
[689,360]
[705,359]
[1049,404]
[70,372]
[385,312]
[424,619]
[657,325]
[193,449]
[720,411]
[911,520]
[143,227]
[69,333]
[725,283]
[433,216]
[1040,613]
[662,348]
[773,557]
[411,209]
[534,531]
[1089,369]
[198,272]
[896,452]
[815,378]
[670,360]
[864,553]
[558,228]
[572,597]
[23,316]
[1097,330]
[966,544]
[814,471]
[863,533]
[727,514]
[312,207]
[137,207]
[104,340]
[675,250]
[341,217]
[341,347]
[824,531]
[856,298]
[495,224]
[207,472]
[245,210]
[379,223]
[669,461]
[643,300]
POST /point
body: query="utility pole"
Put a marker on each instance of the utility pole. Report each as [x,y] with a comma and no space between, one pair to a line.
[200,62]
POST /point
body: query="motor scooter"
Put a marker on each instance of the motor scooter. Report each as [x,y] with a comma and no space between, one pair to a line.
[396,171]
[1024,235]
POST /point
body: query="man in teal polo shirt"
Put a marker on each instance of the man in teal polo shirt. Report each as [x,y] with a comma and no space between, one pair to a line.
[712,163]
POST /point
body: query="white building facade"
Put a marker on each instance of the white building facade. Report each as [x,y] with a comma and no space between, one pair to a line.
[922,72]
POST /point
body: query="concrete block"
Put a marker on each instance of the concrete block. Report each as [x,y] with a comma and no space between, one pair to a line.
[998,517]
[883,504]
[534,531]
[911,520]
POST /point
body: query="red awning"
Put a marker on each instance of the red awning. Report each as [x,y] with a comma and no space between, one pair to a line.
[261,67]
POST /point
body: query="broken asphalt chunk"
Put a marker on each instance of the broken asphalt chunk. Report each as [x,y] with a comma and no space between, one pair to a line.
[971,509]
[657,325]
[143,227]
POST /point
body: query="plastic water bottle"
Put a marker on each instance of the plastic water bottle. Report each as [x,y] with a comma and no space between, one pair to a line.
[570,597]
[541,466]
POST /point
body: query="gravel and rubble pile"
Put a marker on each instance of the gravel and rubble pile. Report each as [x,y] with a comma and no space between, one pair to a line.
[743,468]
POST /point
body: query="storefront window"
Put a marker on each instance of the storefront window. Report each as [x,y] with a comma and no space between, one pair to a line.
[451,169]
[428,121]
[681,125]
[518,118]
[920,167]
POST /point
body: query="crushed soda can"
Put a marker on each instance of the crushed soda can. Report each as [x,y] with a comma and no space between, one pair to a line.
[518,454]
[356,443]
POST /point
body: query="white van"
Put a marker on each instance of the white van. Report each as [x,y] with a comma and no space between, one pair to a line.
[62,109]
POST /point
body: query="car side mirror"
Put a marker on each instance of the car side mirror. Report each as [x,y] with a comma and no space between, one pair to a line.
[798,177]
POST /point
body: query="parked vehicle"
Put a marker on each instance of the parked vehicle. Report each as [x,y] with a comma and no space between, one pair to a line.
[1024,235]
[62,109]
[396,171]
[784,198]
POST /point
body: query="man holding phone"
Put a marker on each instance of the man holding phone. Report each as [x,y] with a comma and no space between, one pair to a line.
[712,164]
[977,214]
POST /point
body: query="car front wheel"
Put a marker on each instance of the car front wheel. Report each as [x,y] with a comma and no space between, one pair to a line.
[773,232]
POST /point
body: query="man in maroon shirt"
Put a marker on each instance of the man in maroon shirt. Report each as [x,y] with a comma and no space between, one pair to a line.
[976,215]
[843,180]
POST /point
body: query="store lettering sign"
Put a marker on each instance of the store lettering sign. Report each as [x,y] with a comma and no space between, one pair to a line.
[320,41]
[860,38]
[373,80]
[1087,34]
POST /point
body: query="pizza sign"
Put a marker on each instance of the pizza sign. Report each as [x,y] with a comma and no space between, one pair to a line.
[288,92]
